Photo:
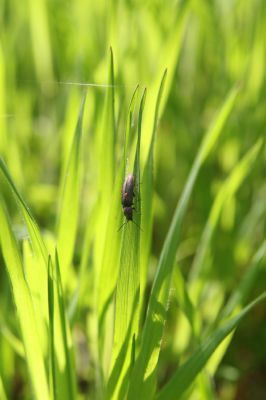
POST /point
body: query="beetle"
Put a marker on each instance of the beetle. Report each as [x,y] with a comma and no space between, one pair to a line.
[127,199]
[128,196]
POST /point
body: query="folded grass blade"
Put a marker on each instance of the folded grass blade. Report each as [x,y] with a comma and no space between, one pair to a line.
[24,305]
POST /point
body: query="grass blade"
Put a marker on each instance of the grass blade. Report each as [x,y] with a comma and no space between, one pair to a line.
[52,357]
[110,262]
[69,204]
[24,305]
[127,292]
[147,196]
[36,271]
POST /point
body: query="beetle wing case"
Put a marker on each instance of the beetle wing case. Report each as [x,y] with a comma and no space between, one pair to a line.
[128,191]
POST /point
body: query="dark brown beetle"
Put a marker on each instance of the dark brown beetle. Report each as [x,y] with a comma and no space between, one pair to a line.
[128,198]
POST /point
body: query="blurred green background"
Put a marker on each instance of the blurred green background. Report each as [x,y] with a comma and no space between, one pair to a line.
[47,47]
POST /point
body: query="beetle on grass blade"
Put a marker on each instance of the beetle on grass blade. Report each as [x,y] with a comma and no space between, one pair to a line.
[127,199]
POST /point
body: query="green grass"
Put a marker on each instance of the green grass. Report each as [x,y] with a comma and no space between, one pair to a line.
[172,92]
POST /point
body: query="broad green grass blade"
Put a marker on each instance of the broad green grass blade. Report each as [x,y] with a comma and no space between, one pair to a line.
[186,374]
[227,190]
[107,137]
[25,310]
[147,197]
[111,254]
[127,292]
[69,204]
[105,145]
[142,383]
[104,158]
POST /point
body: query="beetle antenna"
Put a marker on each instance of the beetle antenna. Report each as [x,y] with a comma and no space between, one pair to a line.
[137,225]
[122,226]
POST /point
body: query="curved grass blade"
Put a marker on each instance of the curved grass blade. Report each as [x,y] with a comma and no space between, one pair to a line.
[127,292]
[69,204]
[143,376]
[186,374]
[24,305]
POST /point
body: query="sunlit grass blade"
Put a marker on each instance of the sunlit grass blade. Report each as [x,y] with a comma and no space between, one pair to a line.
[142,383]
[227,190]
[69,204]
[110,262]
[186,374]
[105,146]
[147,197]
[127,291]
[24,305]
[62,380]
[107,136]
